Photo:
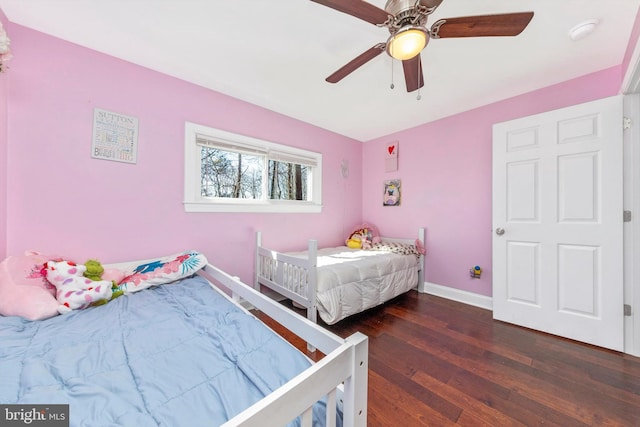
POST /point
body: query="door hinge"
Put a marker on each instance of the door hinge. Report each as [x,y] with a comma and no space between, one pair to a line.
[626,216]
[627,310]
[626,123]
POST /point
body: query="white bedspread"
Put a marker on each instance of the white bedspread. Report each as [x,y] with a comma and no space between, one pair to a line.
[351,281]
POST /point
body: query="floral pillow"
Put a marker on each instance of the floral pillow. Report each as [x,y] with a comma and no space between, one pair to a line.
[161,271]
[400,248]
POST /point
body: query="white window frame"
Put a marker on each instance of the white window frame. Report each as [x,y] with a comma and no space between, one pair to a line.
[194,202]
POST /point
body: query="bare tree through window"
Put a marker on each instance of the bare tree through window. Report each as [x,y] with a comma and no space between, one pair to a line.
[230,174]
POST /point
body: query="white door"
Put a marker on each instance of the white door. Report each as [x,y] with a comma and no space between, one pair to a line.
[557,222]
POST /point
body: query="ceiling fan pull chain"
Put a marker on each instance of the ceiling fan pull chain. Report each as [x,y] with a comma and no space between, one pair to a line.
[392,85]
[419,62]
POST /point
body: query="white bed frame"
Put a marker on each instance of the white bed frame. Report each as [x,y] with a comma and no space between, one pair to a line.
[344,367]
[295,278]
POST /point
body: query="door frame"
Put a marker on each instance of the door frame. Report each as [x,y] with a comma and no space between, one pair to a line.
[631,230]
[631,234]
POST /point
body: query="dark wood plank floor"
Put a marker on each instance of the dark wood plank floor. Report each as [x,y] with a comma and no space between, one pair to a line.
[437,362]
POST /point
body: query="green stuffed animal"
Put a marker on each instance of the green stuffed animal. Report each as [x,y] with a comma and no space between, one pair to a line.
[94,272]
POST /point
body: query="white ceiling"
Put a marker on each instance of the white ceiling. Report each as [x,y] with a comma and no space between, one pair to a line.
[277,53]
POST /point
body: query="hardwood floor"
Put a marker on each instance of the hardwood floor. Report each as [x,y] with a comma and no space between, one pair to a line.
[437,362]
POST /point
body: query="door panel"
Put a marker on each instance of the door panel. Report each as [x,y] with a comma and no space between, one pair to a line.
[522,191]
[523,265]
[578,198]
[578,279]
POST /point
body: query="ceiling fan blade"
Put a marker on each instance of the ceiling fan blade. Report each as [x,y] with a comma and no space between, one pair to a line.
[508,24]
[413,73]
[356,63]
[431,3]
[359,9]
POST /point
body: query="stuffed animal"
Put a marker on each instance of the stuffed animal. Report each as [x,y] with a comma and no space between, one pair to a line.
[73,290]
[94,270]
[354,241]
[360,239]
[366,238]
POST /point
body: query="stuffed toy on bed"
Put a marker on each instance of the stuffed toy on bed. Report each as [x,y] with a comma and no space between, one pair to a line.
[96,272]
[73,290]
[363,238]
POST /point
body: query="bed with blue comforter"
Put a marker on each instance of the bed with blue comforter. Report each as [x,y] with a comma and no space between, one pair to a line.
[174,355]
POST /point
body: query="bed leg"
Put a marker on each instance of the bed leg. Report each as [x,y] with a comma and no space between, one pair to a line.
[421,286]
[355,387]
[256,281]
[312,315]
[234,296]
[312,283]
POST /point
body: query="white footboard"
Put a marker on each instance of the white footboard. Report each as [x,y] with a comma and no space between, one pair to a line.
[291,277]
[344,366]
[421,236]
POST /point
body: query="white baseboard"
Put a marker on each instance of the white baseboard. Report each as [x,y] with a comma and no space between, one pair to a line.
[453,294]
[457,295]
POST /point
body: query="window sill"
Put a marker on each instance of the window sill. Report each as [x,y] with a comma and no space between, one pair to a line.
[253,207]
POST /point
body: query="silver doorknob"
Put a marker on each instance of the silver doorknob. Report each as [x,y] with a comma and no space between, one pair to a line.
[499,231]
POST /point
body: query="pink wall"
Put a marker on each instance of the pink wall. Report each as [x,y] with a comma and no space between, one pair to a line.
[445,168]
[4,100]
[63,201]
[60,200]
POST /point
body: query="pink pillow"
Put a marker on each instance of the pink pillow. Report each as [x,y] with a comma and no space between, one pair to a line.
[24,291]
[113,274]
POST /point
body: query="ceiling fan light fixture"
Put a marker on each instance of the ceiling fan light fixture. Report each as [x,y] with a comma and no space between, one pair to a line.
[407,42]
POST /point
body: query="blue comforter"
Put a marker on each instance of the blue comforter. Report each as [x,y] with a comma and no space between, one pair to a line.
[173,355]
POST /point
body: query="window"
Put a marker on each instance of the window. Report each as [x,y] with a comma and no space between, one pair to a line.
[226,172]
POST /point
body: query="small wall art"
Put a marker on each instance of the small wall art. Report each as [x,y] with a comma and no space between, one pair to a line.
[391,157]
[344,168]
[392,194]
[115,136]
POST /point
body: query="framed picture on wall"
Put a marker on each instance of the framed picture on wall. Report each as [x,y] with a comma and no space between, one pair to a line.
[392,194]
[115,136]
[391,157]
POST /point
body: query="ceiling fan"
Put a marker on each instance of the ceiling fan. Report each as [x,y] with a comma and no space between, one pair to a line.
[406,21]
